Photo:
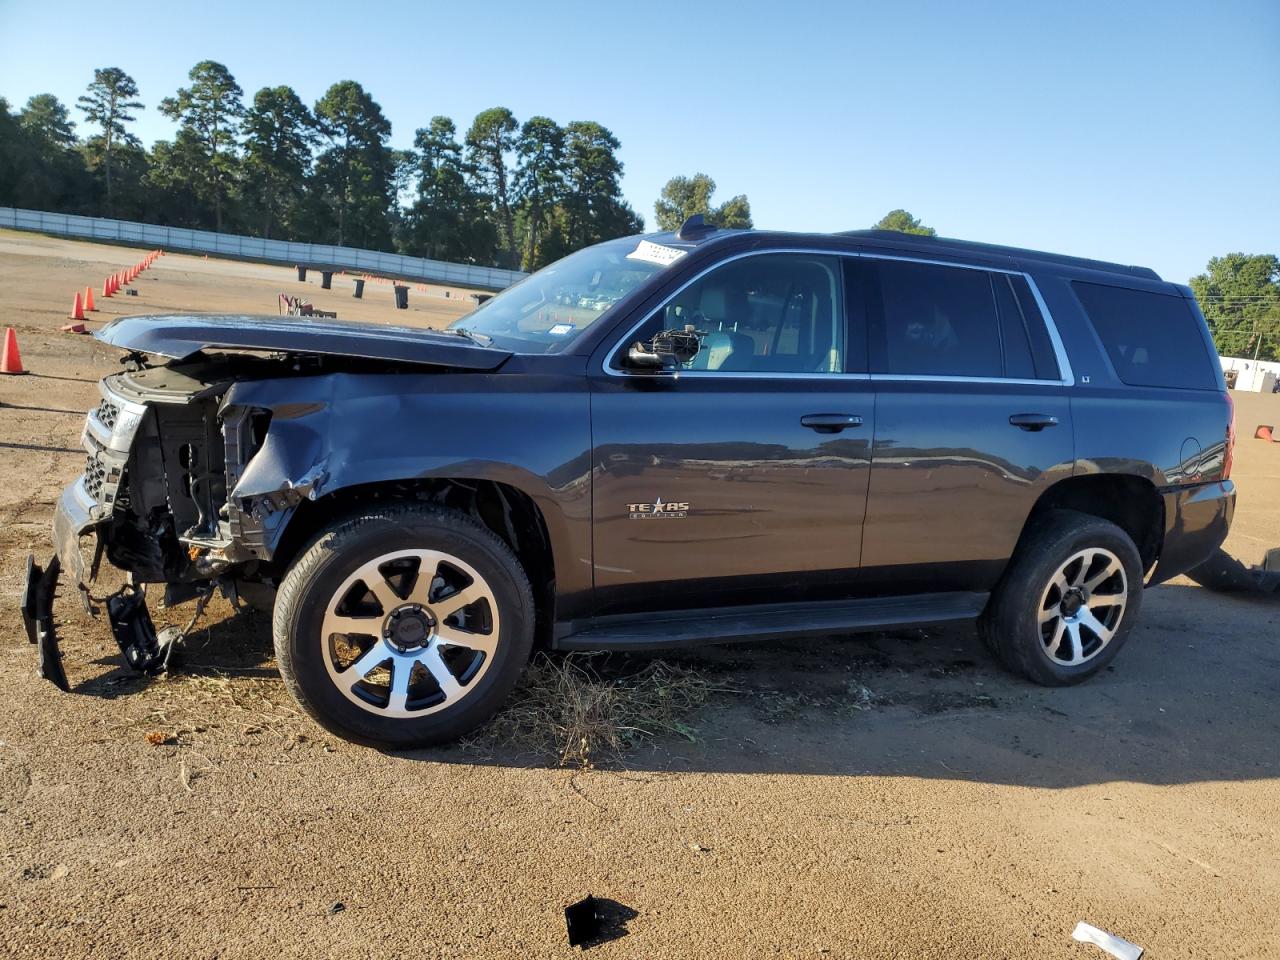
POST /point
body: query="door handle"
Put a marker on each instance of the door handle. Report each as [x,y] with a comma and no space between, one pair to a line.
[830,422]
[1035,422]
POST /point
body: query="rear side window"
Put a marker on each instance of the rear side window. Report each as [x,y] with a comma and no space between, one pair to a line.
[933,320]
[1041,346]
[1153,340]
[1013,329]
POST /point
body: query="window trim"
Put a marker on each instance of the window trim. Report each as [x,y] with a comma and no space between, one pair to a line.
[1066,376]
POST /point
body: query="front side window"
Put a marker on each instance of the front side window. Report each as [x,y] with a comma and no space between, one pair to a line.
[770,313]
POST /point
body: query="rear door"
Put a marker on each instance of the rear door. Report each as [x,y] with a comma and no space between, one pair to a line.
[743,477]
[973,421]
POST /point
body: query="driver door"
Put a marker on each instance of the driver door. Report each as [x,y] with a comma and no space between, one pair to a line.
[740,478]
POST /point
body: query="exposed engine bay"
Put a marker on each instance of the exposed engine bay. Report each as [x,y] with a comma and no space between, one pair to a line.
[162,454]
[164,496]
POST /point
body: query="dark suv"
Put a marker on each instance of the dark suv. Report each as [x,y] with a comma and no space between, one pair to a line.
[702,436]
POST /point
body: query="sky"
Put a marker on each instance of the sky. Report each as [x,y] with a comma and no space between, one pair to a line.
[1147,133]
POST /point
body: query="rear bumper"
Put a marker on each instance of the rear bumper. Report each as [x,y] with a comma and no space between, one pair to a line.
[1196,521]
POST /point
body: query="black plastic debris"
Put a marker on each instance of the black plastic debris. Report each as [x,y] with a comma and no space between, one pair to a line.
[583,920]
[597,920]
[37,616]
[134,632]
[1225,573]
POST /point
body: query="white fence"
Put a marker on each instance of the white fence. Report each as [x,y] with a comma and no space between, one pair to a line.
[1255,375]
[314,255]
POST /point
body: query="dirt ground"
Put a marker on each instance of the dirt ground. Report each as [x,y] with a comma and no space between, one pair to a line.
[884,796]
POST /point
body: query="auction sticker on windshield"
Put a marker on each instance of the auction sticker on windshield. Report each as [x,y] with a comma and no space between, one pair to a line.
[656,253]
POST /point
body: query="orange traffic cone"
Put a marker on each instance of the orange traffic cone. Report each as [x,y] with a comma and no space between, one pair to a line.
[106,288]
[10,359]
[77,308]
[74,328]
[88,301]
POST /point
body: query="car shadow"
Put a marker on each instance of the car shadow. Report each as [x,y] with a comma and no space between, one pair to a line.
[1194,697]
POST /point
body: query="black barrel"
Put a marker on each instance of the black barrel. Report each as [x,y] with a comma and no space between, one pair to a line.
[326,279]
[302,274]
[359,290]
[402,297]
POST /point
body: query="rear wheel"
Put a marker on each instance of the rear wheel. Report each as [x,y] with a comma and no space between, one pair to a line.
[404,626]
[1068,601]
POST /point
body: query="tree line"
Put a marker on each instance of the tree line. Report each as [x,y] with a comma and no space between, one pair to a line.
[505,193]
[1240,296]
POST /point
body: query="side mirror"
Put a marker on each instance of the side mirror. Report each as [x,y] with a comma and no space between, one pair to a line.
[667,351]
[642,358]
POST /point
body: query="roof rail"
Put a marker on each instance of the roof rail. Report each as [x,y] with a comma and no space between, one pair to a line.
[993,249]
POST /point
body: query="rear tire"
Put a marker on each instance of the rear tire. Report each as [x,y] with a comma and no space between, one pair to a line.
[403,626]
[1067,602]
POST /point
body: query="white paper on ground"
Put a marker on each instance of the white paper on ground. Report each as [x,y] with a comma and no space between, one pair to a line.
[1116,946]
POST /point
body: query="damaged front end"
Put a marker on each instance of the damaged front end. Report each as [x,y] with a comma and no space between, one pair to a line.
[161,454]
[182,485]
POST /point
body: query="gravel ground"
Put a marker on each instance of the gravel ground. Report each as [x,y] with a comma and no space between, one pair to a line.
[885,796]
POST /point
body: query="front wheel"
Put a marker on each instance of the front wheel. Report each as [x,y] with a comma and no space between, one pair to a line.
[403,626]
[1068,600]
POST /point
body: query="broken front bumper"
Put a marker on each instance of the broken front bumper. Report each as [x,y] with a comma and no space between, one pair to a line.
[37,617]
[76,515]
[73,517]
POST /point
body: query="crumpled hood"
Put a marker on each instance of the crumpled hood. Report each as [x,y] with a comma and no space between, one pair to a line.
[180,335]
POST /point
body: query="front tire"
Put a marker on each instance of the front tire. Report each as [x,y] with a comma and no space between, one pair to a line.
[403,626]
[1067,602]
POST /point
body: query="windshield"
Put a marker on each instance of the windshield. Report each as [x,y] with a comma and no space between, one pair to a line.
[545,312]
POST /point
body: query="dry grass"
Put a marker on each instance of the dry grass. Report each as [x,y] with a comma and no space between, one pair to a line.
[576,712]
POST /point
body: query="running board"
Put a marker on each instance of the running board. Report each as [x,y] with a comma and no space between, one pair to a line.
[731,624]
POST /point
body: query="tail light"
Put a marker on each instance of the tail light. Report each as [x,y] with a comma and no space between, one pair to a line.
[1229,455]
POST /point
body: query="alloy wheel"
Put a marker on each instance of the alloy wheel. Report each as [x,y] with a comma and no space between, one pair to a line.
[410,633]
[1082,606]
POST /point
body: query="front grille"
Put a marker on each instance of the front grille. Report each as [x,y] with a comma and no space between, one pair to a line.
[107,412]
[108,451]
[95,477]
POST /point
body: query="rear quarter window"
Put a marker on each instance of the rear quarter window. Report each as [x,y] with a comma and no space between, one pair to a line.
[1153,340]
